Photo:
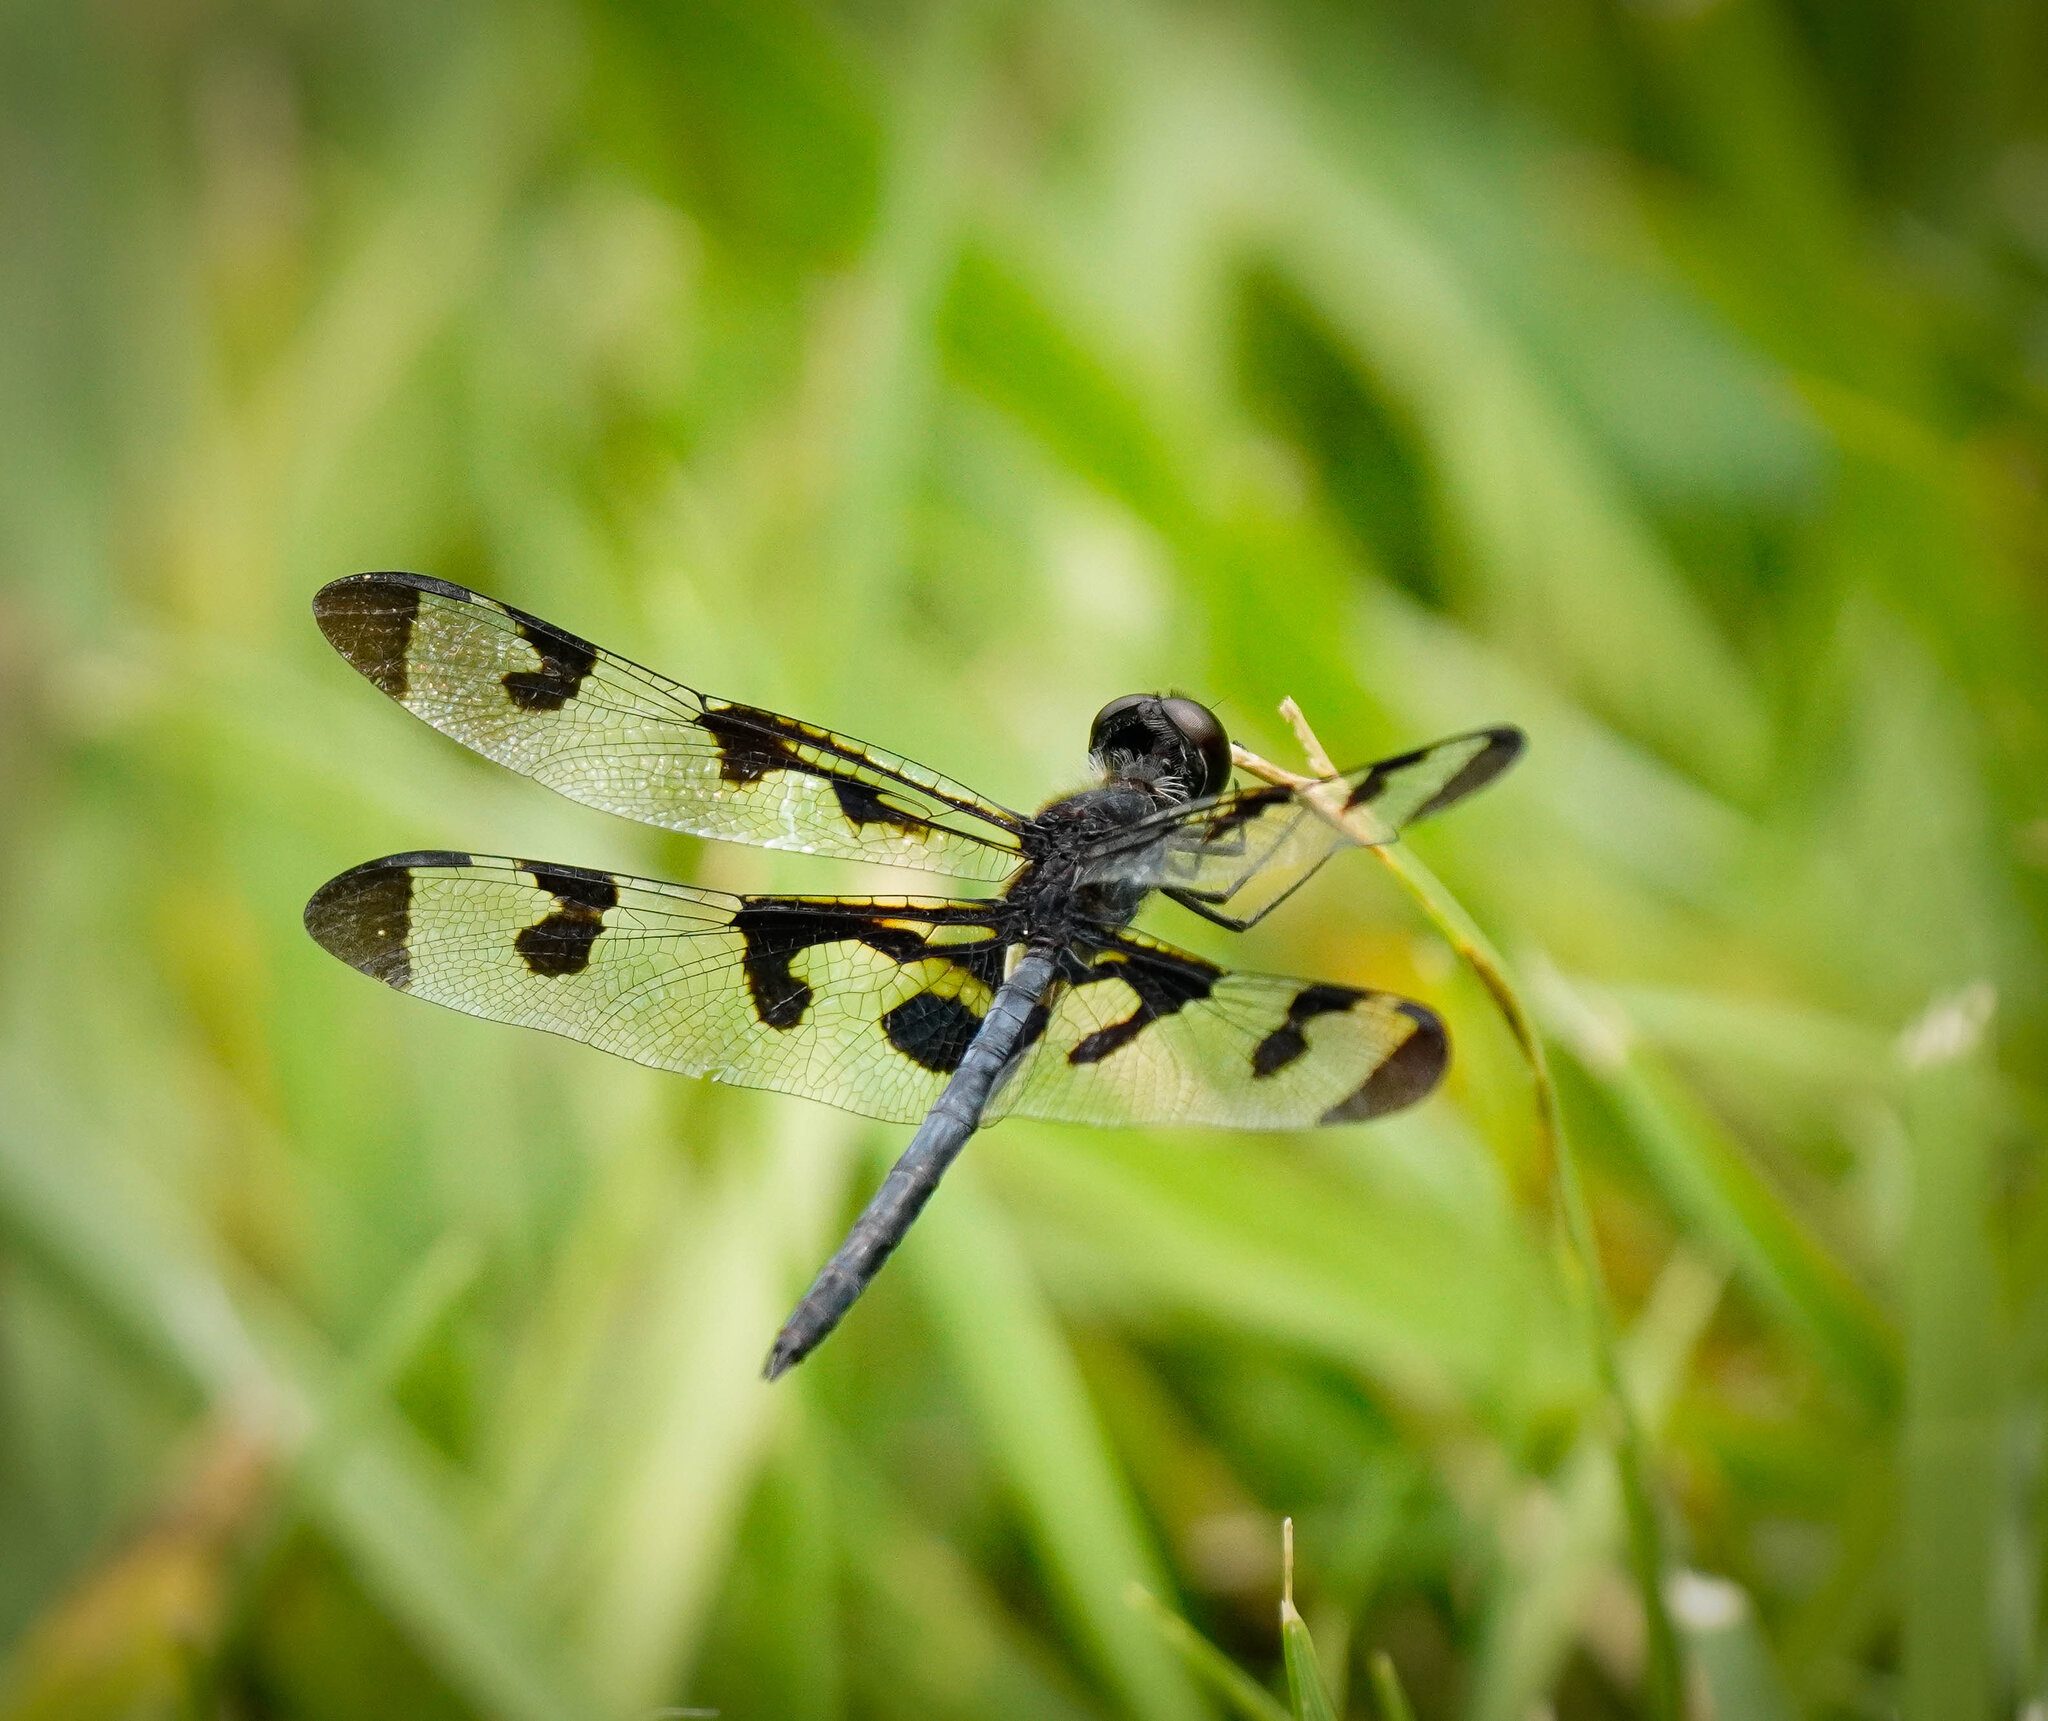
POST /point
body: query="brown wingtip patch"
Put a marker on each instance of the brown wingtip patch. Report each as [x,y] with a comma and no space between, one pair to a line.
[1408,1074]
[369,618]
[1503,747]
[364,916]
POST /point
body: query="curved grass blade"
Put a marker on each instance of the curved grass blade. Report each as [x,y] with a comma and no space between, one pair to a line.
[1209,1664]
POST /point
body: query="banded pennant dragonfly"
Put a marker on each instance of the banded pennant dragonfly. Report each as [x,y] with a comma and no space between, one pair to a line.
[946,1012]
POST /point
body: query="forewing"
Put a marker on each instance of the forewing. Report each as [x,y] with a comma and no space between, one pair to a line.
[1138,1032]
[1244,851]
[613,735]
[866,1004]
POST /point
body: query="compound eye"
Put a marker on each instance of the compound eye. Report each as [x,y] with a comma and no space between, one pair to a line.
[1120,716]
[1202,731]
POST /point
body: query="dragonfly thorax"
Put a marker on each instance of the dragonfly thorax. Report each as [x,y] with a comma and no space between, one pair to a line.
[1052,891]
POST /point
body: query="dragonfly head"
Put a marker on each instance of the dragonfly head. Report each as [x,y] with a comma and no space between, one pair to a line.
[1170,743]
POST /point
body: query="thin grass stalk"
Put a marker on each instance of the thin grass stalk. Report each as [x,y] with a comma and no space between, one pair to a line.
[1573,1235]
[1306,1692]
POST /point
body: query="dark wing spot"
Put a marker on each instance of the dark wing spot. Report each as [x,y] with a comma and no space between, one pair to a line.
[562,942]
[1163,985]
[776,932]
[368,618]
[773,940]
[932,1030]
[564,661]
[1414,1067]
[863,806]
[574,884]
[753,742]
[1287,1042]
[781,1000]
[985,959]
[1278,1049]
[1374,781]
[365,915]
[749,746]
[1503,747]
[1093,1048]
[1241,808]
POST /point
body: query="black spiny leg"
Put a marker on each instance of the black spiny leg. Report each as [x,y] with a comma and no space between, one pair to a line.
[1215,917]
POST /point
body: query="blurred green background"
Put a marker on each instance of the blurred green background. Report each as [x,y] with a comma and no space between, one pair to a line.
[1668,376]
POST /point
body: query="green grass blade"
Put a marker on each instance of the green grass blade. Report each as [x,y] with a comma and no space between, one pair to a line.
[1306,1692]
[1573,1238]
[1307,1695]
[1736,1672]
[1953,1442]
[1032,1406]
[936,1638]
[1305,1689]
[1209,1664]
[1567,1551]
[382,1501]
[1722,1197]
[1386,1689]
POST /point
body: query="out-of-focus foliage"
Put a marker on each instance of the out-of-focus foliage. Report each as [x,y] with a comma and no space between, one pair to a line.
[1671,378]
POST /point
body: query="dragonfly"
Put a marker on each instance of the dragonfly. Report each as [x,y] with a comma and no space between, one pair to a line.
[948,1012]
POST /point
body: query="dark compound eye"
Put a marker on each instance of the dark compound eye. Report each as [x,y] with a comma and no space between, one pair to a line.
[1198,725]
[1165,740]
[1121,725]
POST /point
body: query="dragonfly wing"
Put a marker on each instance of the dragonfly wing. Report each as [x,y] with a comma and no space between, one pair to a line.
[608,733]
[1245,851]
[1138,1032]
[866,1004]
